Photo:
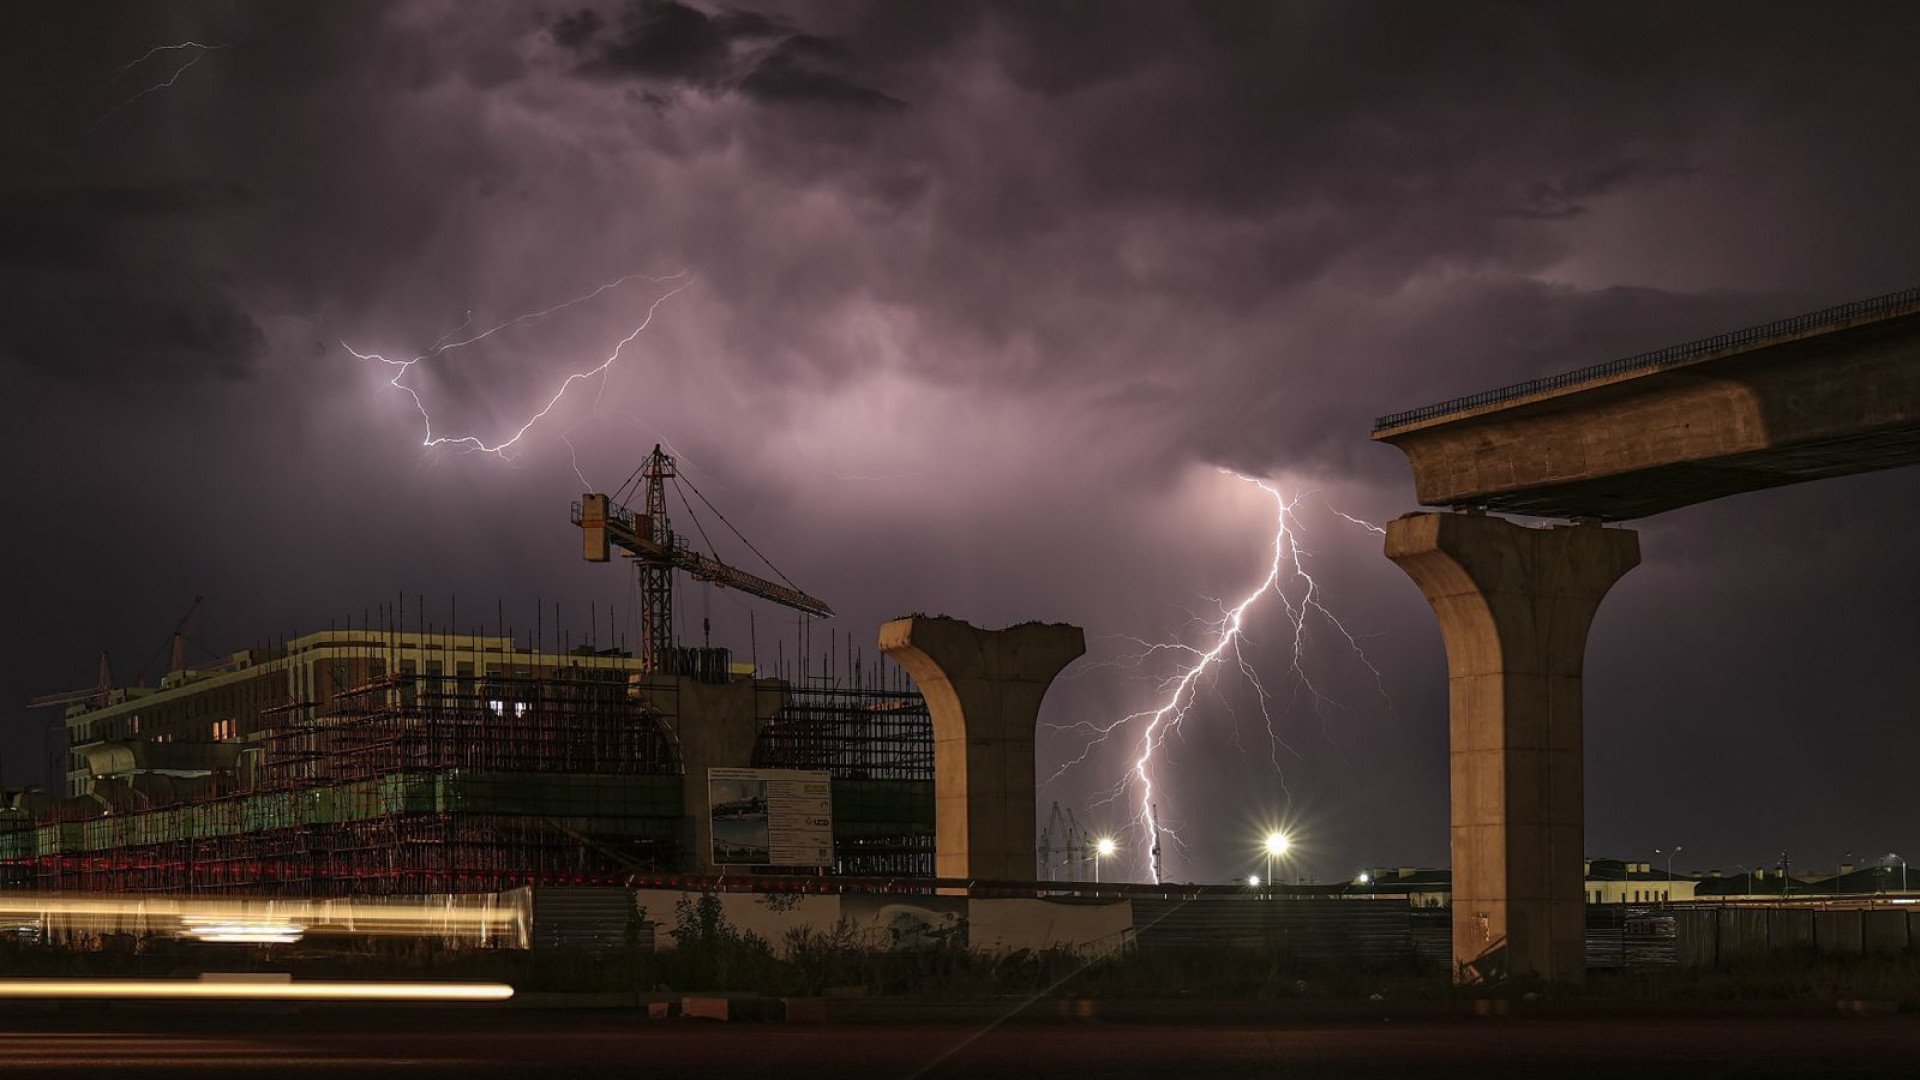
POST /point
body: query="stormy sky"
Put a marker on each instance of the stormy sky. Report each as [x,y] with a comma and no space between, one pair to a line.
[974,303]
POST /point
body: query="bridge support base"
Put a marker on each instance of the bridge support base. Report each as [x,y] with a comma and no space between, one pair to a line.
[983,690]
[1514,606]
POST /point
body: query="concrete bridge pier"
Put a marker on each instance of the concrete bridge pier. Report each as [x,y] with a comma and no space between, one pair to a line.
[1514,605]
[983,690]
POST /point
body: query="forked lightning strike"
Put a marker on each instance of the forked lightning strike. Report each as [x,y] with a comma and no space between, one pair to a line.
[445,345]
[1285,569]
[200,50]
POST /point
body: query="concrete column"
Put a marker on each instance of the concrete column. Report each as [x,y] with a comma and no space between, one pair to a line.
[1514,605]
[983,688]
[715,726]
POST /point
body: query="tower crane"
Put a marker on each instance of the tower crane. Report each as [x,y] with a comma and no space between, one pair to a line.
[648,538]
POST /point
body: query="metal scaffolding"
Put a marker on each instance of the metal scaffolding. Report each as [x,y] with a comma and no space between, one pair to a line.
[578,720]
[853,734]
[878,746]
[360,775]
[407,784]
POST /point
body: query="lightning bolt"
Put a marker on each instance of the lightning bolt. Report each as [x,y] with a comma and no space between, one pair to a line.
[447,344]
[201,50]
[573,455]
[1287,580]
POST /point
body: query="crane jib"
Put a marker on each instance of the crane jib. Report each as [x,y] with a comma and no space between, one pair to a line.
[648,538]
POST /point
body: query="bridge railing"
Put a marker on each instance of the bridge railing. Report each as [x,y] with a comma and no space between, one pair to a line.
[1658,358]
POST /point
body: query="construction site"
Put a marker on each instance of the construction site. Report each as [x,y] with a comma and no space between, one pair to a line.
[386,759]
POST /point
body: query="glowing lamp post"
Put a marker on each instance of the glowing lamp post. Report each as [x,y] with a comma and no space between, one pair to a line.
[1276,845]
[1102,848]
[1677,849]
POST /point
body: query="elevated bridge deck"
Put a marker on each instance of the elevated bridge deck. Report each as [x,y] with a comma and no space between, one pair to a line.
[1827,393]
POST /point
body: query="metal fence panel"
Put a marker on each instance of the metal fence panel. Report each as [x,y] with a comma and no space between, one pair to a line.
[1837,932]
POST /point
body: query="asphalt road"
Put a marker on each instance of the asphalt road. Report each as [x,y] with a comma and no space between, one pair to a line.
[222,1042]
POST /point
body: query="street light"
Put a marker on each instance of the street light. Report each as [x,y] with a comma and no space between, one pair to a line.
[1276,845]
[1253,881]
[1903,870]
[1102,848]
[1677,849]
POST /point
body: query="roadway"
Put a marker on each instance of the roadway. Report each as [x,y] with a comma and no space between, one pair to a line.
[244,1041]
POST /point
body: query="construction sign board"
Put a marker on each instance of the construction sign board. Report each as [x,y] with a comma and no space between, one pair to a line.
[770,817]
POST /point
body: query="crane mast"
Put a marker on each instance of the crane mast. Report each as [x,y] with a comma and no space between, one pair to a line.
[648,538]
[656,574]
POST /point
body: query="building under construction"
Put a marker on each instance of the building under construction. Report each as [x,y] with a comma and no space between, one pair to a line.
[379,760]
[371,762]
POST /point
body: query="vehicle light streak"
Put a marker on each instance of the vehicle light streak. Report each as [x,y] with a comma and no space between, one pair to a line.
[252,989]
[478,917]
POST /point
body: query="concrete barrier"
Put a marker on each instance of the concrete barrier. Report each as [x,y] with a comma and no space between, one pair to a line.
[730,1007]
[804,1010]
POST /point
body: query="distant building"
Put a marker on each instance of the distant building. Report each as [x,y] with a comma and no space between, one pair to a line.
[1881,878]
[1617,881]
[1609,881]
[222,708]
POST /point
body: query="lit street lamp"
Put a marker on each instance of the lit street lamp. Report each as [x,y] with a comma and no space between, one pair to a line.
[1101,849]
[1276,845]
[1677,849]
[1903,870]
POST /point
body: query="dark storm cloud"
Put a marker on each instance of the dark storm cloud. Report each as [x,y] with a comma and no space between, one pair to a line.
[91,287]
[1566,196]
[664,42]
[799,71]
[175,329]
[978,355]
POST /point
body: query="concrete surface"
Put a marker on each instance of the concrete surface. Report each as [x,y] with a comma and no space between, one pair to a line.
[1801,405]
[1514,606]
[714,725]
[983,689]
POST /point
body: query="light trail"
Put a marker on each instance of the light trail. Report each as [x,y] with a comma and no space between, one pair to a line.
[444,346]
[481,918]
[201,51]
[1286,570]
[252,989]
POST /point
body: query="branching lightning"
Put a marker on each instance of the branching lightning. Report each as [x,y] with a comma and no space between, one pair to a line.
[452,341]
[1287,579]
[200,51]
